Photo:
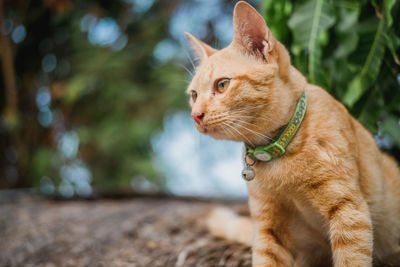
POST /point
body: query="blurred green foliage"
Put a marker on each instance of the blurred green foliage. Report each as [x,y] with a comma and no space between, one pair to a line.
[351,48]
[112,98]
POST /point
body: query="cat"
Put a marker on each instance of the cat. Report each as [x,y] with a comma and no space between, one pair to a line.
[333,198]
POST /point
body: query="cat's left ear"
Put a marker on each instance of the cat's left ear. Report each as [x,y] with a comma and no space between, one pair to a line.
[251,33]
[202,49]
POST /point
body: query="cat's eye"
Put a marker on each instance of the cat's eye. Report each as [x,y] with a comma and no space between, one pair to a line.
[194,95]
[222,85]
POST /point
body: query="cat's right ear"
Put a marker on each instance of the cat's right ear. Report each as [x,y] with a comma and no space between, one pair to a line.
[202,49]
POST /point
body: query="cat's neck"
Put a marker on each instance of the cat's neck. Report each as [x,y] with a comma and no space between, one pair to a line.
[293,87]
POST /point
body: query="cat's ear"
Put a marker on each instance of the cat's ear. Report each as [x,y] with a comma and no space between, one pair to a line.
[251,33]
[202,49]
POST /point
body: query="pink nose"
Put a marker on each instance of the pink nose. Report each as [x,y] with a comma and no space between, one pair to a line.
[197,116]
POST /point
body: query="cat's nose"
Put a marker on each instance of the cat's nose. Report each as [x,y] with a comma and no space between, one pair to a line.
[197,116]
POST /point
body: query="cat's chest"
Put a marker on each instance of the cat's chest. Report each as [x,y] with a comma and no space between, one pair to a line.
[306,213]
[305,222]
[280,181]
[273,175]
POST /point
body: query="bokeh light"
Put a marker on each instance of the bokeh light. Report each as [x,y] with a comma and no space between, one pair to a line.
[49,62]
[18,34]
[45,116]
[141,6]
[166,50]
[69,144]
[104,32]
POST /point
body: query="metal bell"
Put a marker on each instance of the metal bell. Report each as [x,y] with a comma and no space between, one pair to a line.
[248,173]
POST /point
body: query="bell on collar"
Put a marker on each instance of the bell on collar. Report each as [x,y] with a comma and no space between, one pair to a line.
[248,173]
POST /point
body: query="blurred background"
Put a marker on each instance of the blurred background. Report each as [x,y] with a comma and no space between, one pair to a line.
[92,93]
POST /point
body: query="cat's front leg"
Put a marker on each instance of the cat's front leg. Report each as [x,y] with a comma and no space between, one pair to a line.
[268,251]
[348,220]
[270,236]
[350,233]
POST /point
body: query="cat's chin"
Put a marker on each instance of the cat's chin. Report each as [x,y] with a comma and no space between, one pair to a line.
[217,133]
[207,130]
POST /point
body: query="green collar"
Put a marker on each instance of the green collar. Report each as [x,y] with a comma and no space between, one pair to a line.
[277,148]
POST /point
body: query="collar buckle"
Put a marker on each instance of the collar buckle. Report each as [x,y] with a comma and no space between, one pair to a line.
[269,152]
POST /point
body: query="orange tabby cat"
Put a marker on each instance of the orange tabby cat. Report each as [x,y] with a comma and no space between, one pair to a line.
[333,198]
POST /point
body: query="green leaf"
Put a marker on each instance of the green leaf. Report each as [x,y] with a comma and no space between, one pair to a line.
[347,44]
[391,126]
[307,23]
[76,87]
[348,14]
[388,5]
[393,43]
[276,14]
[370,68]
[354,91]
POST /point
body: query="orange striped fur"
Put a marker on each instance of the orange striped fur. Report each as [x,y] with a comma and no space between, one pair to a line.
[334,197]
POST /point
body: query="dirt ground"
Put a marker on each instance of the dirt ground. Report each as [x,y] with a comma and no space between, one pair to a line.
[138,231]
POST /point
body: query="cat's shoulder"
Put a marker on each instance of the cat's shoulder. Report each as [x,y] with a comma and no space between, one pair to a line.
[327,120]
[322,103]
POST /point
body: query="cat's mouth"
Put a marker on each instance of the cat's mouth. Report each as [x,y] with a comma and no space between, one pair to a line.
[208,129]
[216,127]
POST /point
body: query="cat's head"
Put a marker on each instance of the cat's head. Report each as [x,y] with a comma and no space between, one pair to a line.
[241,92]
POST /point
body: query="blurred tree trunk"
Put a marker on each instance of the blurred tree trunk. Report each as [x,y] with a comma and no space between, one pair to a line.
[7,63]
[10,112]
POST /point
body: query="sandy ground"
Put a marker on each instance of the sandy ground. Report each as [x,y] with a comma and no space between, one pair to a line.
[121,232]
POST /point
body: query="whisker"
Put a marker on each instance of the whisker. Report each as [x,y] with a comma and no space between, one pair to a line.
[229,132]
[197,59]
[257,133]
[188,71]
[240,116]
[250,108]
[190,59]
[245,122]
[226,114]
[249,117]
[236,130]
